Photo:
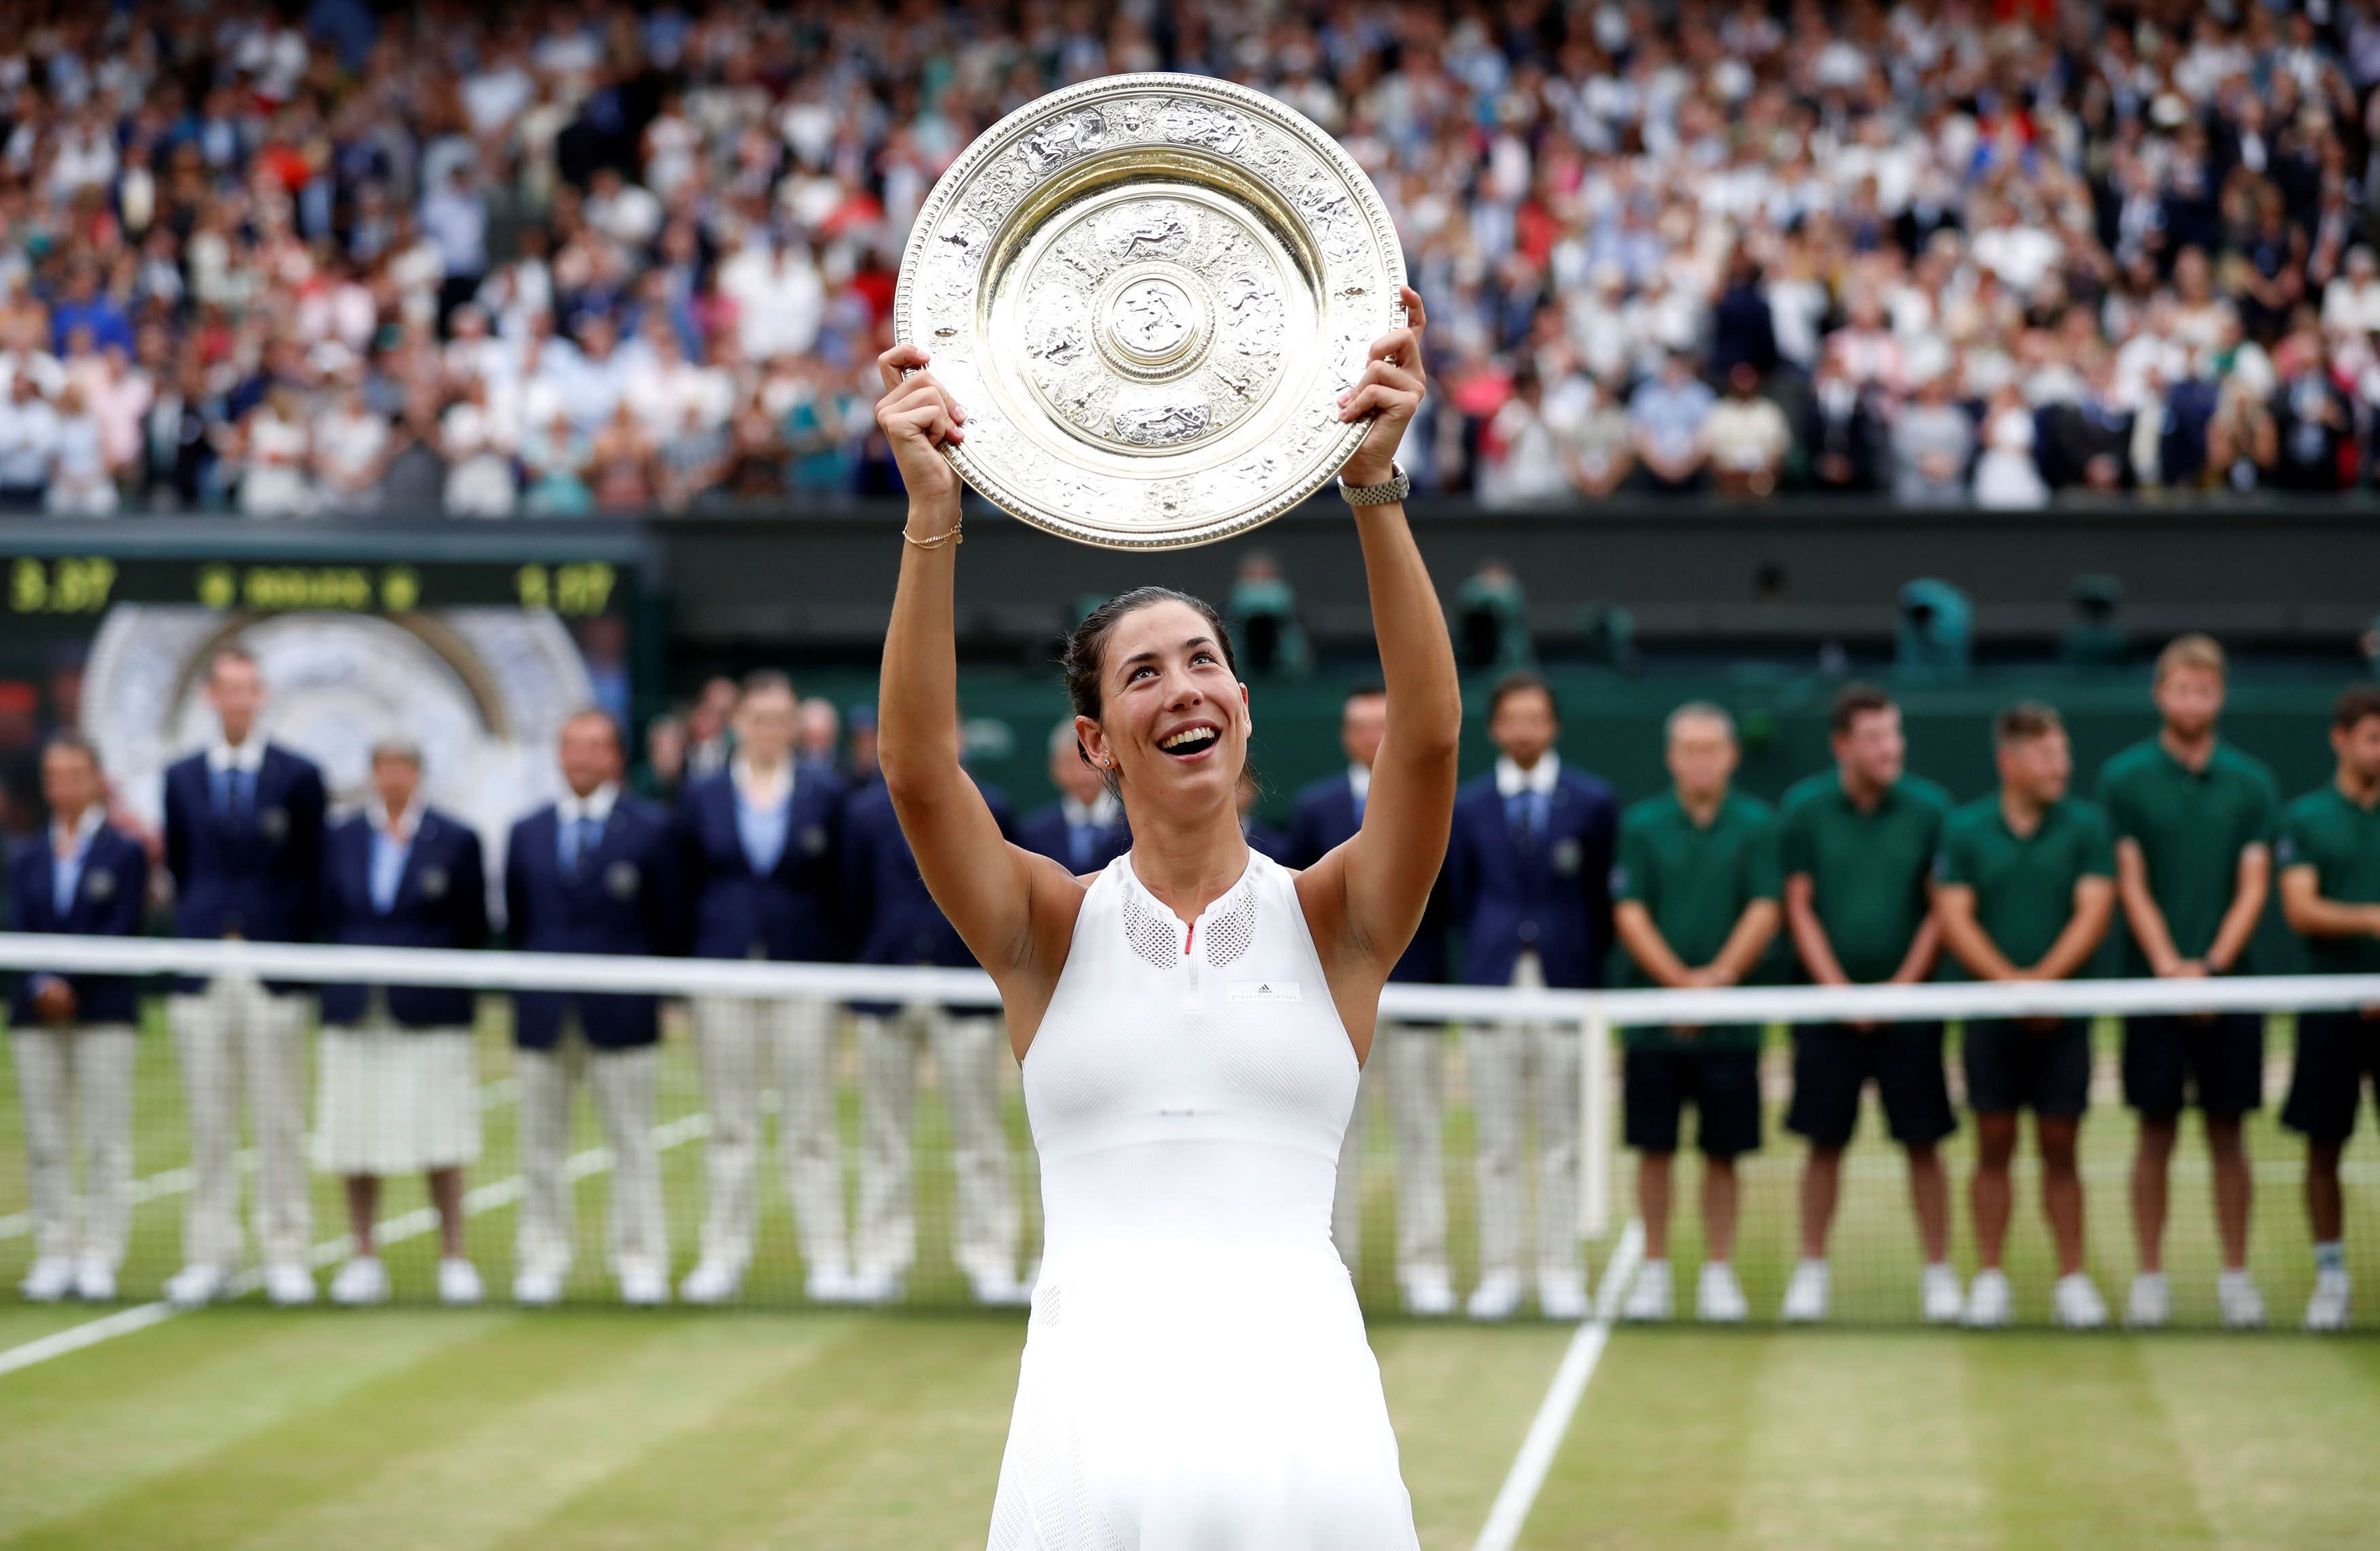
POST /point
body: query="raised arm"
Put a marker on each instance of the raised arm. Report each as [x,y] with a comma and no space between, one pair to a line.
[995,894]
[1376,885]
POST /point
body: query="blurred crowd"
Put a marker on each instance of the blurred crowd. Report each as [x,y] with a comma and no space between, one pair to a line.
[570,257]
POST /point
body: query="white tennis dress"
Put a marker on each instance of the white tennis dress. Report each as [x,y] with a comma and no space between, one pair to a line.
[1195,1375]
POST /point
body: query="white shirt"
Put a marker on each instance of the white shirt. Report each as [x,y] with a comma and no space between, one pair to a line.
[1512,780]
[1100,812]
[769,793]
[406,824]
[1359,781]
[596,805]
[246,758]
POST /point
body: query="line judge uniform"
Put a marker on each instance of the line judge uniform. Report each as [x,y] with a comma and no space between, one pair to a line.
[900,924]
[1080,837]
[592,875]
[1328,813]
[398,1092]
[90,881]
[762,867]
[244,844]
[1528,874]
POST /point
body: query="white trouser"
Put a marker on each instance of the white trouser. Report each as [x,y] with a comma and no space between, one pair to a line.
[749,1043]
[235,1026]
[967,1053]
[1408,1059]
[1502,1058]
[57,1067]
[622,1084]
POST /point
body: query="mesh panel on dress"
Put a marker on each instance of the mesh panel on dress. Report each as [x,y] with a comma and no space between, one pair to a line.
[1231,934]
[1151,937]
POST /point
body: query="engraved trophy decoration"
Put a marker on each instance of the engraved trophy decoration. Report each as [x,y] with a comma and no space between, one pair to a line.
[1149,291]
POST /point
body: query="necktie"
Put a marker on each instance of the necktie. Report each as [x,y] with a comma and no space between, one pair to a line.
[1078,844]
[584,836]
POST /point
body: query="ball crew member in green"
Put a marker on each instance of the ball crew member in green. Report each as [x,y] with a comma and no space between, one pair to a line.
[2024,890]
[2330,860]
[1857,844]
[1694,904]
[2193,820]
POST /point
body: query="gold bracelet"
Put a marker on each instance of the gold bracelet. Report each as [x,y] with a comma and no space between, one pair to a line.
[953,536]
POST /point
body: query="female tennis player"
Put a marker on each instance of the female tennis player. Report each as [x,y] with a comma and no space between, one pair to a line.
[1191,1022]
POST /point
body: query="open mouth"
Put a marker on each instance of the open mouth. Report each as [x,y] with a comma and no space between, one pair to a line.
[1189,743]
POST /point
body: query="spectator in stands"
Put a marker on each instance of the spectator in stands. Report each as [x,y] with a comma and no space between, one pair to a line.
[1668,413]
[80,483]
[74,1035]
[2193,820]
[1931,440]
[1747,436]
[596,872]
[2312,423]
[2006,477]
[398,1092]
[1084,830]
[1598,444]
[28,442]
[2329,861]
[818,733]
[275,451]
[1694,904]
[244,846]
[2024,890]
[1411,1056]
[710,726]
[1856,847]
[1528,873]
[1521,457]
[762,842]
[896,921]
[1842,432]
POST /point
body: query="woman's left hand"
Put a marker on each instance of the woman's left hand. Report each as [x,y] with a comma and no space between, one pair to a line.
[1390,391]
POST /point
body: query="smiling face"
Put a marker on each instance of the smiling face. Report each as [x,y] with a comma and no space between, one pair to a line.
[2190,697]
[1173,719]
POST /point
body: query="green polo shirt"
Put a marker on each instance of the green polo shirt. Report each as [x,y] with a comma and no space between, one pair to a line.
[1868,870]
[2191,826]
[2024,885]
[1695,882]
[2342,843]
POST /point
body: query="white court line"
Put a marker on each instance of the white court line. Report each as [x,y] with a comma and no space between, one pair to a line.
[494,1094]
[1519,1492]
[396,1230]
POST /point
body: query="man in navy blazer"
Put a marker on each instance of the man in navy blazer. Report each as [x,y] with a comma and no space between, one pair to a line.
[898,923]
[244,844]
[762,842]
[1084,830]
[1328,813]
[1528,871]
[596,872]
[399,1088]
[74,1033]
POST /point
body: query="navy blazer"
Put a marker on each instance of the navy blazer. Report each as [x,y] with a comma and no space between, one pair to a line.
[442,901]
[1326,819]
[109,902]
[626,899]
[896,920]
[1043,832]
[256,874]
[1268,840]
[794,911]
[1552,893]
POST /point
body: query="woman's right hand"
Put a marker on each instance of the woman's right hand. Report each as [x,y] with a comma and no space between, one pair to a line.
[919,418]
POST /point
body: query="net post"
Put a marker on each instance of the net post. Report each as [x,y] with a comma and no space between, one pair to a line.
[1595,1119]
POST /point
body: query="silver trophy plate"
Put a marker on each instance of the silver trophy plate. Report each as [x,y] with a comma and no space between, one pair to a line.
[1149,292]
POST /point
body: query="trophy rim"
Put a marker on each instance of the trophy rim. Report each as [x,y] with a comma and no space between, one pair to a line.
[997,139]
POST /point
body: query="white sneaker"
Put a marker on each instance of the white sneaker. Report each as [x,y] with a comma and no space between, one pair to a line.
[360,1281]
[458,1282]
[1498,1296]
[877,1287]
[1719,1297]
[827,1284]
[2242,1305]
[1428,1290]
[1806,1293]
[1937,1288]
[2150,1304]
[2326,1310]
[195,1284]
[1990,1305]
[710,1281]
[2075,1303]
[94,1280]
[1562,1294]
[288,1284]
[644,1287]
[996,1291]
[1649,1296]
[51,1278]
[536,1289]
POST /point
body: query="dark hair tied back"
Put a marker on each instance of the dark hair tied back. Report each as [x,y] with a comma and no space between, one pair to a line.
[1087,648]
